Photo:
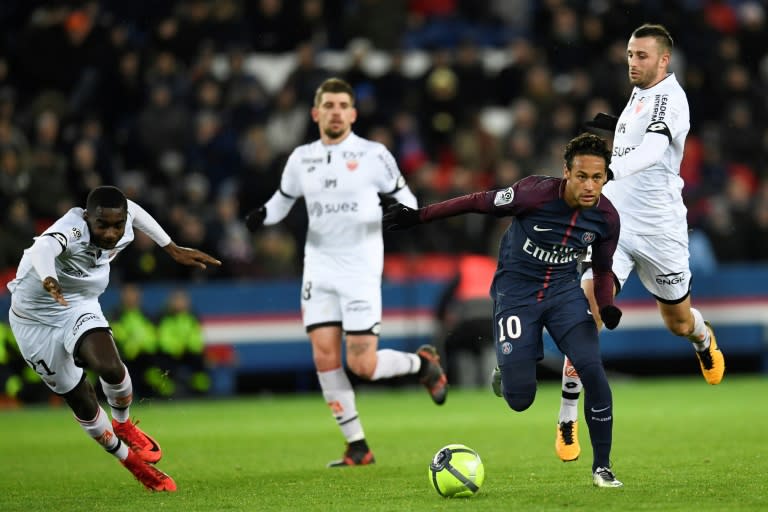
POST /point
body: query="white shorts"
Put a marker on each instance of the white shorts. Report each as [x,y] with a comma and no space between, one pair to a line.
[354,304]
[661,262]
[48,349]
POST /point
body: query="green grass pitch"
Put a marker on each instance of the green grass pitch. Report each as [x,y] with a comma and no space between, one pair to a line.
[679,444]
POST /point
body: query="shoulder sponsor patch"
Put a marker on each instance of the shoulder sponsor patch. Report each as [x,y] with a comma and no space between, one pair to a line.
[76,234]
[504,197]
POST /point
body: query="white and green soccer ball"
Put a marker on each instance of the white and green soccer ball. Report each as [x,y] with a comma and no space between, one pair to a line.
[456,471]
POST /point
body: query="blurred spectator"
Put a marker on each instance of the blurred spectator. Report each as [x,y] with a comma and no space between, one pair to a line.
[287,125]
[729,224]
[245,99]
[465,315]
[381,22]
[163,129]
[16,231]
[306,76]
[271,26]
[180,354]
[135,335]
[231,239]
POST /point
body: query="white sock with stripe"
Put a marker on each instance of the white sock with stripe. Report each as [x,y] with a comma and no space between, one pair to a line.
[340,397]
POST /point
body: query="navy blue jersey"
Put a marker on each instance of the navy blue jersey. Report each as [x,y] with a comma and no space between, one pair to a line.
[538,254]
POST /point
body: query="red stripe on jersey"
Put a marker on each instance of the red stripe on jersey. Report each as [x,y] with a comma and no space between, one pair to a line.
[545,285]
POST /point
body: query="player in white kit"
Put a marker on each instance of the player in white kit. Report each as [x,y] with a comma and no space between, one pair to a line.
[57,320]
[340,177]
[648,143]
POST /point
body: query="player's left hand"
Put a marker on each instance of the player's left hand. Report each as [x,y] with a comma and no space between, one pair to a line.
[191,257]
[610,315]
[398,216]
[602,121]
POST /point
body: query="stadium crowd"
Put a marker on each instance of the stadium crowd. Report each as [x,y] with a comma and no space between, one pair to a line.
[192,106]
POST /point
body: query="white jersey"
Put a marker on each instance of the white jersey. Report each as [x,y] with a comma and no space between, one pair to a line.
[82,269]
[340,184]
[649,200]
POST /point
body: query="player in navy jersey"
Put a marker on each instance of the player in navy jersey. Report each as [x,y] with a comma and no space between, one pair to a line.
[649,138]
[537,284]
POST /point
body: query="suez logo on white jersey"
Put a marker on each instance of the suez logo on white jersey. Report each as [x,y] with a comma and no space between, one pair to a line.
[317,209]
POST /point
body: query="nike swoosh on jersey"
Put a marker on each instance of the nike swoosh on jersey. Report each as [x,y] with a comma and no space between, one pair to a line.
[537,228]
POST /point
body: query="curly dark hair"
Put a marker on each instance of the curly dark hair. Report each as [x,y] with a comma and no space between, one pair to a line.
[587,144]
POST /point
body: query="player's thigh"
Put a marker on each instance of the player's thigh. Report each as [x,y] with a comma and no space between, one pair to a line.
[568,315]
[360,306]
[320,303]
[568,309]
[662,266]
[517,332]
[42,347]
[80,320]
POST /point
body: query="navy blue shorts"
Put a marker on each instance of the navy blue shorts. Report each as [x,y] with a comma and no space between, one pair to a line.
[518,330]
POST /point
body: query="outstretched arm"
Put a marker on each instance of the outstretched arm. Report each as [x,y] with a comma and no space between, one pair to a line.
[399,216]
[191,257]
[184,255]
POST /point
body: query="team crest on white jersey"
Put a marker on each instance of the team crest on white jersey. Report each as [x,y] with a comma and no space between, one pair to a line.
[76,233]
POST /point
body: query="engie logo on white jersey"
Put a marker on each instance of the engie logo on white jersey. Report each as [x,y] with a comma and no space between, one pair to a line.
[504,197]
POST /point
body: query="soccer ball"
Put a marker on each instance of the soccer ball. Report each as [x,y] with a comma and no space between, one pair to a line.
[456,471]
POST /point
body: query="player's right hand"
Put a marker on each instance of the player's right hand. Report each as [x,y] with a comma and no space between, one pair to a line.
[53,287]
[398,216]
[254,220]
[610,315]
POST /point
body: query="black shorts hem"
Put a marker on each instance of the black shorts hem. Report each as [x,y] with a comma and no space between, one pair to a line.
[312,327]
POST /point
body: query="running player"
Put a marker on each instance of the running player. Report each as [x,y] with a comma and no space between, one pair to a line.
[648,143]
[341,176]
[536,284]
[57,320]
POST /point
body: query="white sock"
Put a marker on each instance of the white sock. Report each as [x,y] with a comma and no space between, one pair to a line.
[393,363]
[119,397]
[700,335]
[340,397]
[100,429]
[571,388]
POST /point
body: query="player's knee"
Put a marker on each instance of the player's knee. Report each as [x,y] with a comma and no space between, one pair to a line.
[363,367]
[680,328]
[519,401]
[110,369]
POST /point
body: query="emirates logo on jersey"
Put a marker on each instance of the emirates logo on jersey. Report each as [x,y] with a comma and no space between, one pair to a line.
[352,165]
